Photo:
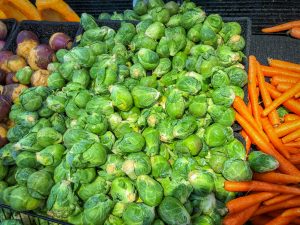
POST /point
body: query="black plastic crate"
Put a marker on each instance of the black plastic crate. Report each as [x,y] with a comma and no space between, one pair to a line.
[44,30]
[11,25]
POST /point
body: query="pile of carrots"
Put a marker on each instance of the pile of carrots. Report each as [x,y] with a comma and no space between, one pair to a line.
[272,198]
[292,28]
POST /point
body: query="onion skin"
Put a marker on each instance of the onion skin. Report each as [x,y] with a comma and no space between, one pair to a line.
[40,78]
[3,31]
[4,55]
[26,40]
[11,78]
[2,77]
[15,63]
[3,135]
[40,56]
[5,105]
[59,41]
[12,91]
[2,43]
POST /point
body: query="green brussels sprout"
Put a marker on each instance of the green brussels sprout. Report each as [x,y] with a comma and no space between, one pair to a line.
[60,54]
[136,164]
[98,48]
[175,104]
[125,33]
[122,189]
[237,170]
[101,105]
[43,122]
[23,174]
[108,139]
[58,122]
[137,71]
[155,31]
[11,176]
[162,48]
[83,176]
[86,153]
[215,135]
[39,184]
[152,139]
[144,97]
[113,220]
[57,102]
[51,155]
[82,98]
[48,136]
[62,172]
[214,21]
[30,100]
[165,129]
[97,209]
[203,220]
[148,58]
[98,186]
[84,56]
[236,42]
[119,209]
[150,191]
[54,66]
[237,76]
[198,106]
[261,162]
[179,61]
[73,136]
[104,16]
[124,127]
[28,142]
[158,222]
[113,166]
[117,16]
[216,158]
[96,123]
[230,29]
[142,26]
[219,78]
[174,21]
[20,199]
[172,212]
[176,39]
[7,154]
[114,120]
[155,3]
[194,33]
[235,149]
[208,204]
[223,95]
[66,70]
[87,21]
[24,74]
[27,119]
[130,15]
[3,170]
[201,181]
[62,201]
[182,166]
[149,81]
[141,40]
[130,142]
[140,7]
[208,36]
[206,67]
[44,111]
[163,67]
[161,168]
[138,214]
[188,84]
[191,17]
[188,47]
[221,114]
[81,77]
[26,159]
[156,115]
[172,7]
[160,14]
[130,83]
[11,222]
[189,146]
[227,57]
[220,191]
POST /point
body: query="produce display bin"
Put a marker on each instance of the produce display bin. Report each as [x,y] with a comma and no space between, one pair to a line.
[11,25]
[44,30]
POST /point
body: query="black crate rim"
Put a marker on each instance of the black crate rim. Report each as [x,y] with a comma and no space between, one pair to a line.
[12,23]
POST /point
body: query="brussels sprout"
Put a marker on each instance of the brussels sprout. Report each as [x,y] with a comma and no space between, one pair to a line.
[188,84]
[58,122]
[108,139]
[66,70]
[149,81]
[184,127]
[130,142]
[57,102]
[182,166]
[235,149]
[62,201]
[203,220]
[83,176]
[158,222]
[97,209]
[73,136]
[221,114]
[39,184]
[142,26]
[27,119]
[122,189]
[84,56]
[104,16]
[176,39]
[208,204]
[220,191]
[236,42]
[179,61]
[20,199]
[223,96]
[148,58]
[51,155]
[96,123]
[24,75]
[87,21]
[137,71]
[86,153]
[216,158]
[189,146]
[114,120]
[43,122]
[81,77]
[163,67]
[140,7]
[237,170]
[171,211]
[219,78]
[175,104]
[214,21]
[174,21]
[160,167]
[194,33]
[172,7]
[201,181]
[22,175]
[138,214]
[230,29]
[191,17]
[101,105]
[237,76]
[30,100]
[152,140]
[215,135]
[130,15]
[155,31]
[117,16]
[162,48]
[136,164]
[11,176]
[208,35]
[11,222]
[26,159]
[160,14]
[48,136]
[62,172]
[198,106]
[123,128]
[125,33]
[44,111]
[141,40]
[144,97]
[261,162]
[227,57]
[113,166]
[155,3]
[98,186]
[3,170]
[207,66]
[165,129]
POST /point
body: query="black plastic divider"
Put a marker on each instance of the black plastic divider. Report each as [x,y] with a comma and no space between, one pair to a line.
[11,25]
[44,30]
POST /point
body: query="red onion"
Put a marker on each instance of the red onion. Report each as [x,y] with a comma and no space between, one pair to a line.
[5,105]
[4,55]
[40,57]
[3,31]
[26,40]
[11,78]
[2,43]
[60,40]
[2,77]
[3,135]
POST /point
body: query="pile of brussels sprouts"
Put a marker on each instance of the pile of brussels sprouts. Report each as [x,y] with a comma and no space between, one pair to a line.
[135,124]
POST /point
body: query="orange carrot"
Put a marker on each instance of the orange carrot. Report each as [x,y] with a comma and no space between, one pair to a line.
[281,220]
[295,144]
[253,97]
[282,27]
[294,202]
[294,32]
[292,212]
[247,140]
[240,218]
[278,101]
[287,127]
[287,79]
[277,178]
[295,159]
[241,203]
[290,117]
[271,71]
[277,199]
[246,186]
[273,116]
[273,138]
[285,165]
[284,65]
[290,104]
[291,136]
[283,86]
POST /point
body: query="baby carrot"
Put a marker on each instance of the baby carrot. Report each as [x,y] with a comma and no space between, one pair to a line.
[284,65]
[290,117]
[276,178]
[282,27]
[271,71]
[240,217]
[287,127]
[279,198]
[291,136]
